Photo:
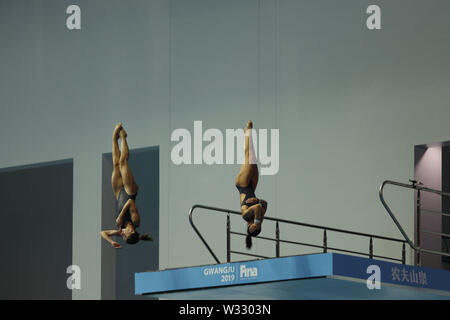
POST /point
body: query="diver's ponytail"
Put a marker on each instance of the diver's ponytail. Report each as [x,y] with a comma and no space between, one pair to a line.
[248,241]
[145,237]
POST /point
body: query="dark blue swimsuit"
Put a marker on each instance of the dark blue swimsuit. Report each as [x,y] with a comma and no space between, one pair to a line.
[121,201]
[249,193]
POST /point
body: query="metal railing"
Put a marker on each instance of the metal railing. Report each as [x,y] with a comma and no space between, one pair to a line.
[415,185]
[278,240]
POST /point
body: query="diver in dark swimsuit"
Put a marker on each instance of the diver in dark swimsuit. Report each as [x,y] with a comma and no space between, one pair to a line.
[125,190]
[252,208]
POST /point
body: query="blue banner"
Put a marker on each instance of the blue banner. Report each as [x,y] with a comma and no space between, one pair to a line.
[289,268]
[392,273]
[297,267]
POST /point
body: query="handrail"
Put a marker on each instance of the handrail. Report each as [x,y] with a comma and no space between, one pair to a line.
[388,209]
[228,211]
[419,187]
[198,232]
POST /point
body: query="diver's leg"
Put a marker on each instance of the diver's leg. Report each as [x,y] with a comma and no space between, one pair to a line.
[116,178]
[255,176]
[246,172]
[125,171]
[252,159]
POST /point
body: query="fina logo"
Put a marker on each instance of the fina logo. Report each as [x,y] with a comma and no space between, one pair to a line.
[245,272]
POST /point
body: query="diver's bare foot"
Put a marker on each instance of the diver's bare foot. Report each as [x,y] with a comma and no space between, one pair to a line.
[123,133]
[117,129]
[248,126]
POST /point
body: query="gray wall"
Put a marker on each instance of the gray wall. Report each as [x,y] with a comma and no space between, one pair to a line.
[350,105]
[36,246]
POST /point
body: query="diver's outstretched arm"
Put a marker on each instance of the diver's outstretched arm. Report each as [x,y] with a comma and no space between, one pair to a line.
[106,234]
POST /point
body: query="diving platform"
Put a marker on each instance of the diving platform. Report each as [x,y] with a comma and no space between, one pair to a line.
[318,276]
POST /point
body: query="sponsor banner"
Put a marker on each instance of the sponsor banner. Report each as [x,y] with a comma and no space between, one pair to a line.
[375,272]
[392,273]
[236,273]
